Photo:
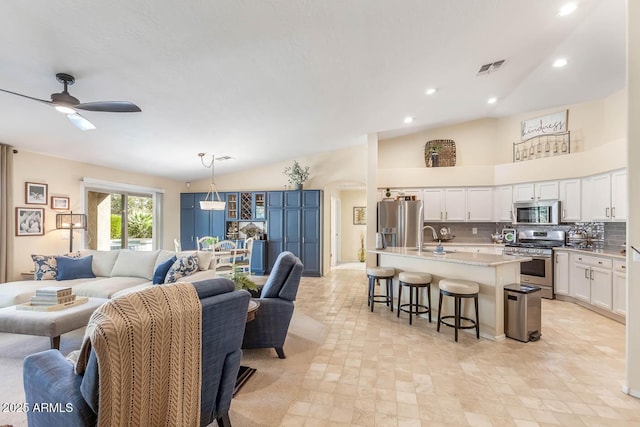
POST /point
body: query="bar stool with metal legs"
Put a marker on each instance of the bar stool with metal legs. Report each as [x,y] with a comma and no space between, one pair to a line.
[415,282]
[459,289]
[375,274]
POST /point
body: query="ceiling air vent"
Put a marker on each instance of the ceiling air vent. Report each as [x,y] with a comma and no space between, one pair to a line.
[490,67]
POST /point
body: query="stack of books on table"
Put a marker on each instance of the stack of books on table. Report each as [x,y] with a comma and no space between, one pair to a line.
[52,298]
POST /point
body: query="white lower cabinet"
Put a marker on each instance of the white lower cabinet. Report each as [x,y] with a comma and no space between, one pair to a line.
[595,280]
[619,303]
[561,273]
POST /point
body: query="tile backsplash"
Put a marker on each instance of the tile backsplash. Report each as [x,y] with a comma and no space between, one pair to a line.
[601,233]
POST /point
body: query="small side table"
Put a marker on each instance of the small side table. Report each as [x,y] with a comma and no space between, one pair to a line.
[245,372]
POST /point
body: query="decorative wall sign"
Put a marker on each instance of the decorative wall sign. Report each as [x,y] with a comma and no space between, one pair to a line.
[440,153]
[29,221]
[545,125]
[359,215]
[35,194]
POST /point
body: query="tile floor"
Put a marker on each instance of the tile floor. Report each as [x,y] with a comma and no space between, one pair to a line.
[348,366]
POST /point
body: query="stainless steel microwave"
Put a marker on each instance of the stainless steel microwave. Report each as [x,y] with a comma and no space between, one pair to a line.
[545,212]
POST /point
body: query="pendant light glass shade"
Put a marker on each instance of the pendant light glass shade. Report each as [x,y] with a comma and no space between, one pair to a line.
[213,204]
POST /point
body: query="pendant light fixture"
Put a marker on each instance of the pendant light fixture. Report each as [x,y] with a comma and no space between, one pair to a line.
[213,204]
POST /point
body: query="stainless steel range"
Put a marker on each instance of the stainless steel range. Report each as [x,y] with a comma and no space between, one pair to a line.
[537,244]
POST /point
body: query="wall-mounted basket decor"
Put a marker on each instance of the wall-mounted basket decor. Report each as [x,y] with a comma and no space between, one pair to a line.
[542,146]
[440,153]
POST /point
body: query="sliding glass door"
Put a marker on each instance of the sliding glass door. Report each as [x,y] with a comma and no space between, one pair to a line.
[120,220]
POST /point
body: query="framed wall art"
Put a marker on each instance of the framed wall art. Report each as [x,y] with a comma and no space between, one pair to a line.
[29,221]
[35,194]
[359,215]
[59,203]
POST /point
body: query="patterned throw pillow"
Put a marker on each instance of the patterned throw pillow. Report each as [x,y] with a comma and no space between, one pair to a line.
[183,267]
[45,267]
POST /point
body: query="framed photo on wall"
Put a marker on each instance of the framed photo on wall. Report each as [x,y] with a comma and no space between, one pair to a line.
[359,215]
[59,203]
[29,221]
[35,194]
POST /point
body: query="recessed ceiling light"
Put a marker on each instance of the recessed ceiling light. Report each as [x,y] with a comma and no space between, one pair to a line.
[430,91]
[492,100]
[567,9]
[560,62]
[408,119]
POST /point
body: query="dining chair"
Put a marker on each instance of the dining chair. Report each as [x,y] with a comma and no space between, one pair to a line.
[225,254]
[206,243]
[243,265]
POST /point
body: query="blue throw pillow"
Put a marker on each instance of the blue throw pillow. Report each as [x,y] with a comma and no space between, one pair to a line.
[74,268]
[183,267]
[162,269]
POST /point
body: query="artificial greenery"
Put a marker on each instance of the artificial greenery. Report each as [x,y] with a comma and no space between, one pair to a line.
[243,281]
[296,173]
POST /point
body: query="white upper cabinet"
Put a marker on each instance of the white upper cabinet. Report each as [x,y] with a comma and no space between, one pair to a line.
[605,197]
[480,204]
[570,200]
[504,203]
[530,192]
[445,204]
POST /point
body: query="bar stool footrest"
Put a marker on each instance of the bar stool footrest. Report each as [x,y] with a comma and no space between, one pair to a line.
[472,323]
[416,312]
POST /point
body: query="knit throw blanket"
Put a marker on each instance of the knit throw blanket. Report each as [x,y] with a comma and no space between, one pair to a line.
[148,346]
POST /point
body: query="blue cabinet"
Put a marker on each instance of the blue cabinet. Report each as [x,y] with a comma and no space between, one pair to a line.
[294,224]
[258,257]
[196,223]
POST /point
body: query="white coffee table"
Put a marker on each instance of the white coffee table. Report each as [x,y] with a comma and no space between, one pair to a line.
[50,324]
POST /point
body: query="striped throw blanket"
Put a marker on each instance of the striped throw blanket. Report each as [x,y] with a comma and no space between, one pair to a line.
[148,346]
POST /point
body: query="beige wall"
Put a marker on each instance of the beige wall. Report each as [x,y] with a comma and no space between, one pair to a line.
[490,141]
[63,178]
[350,233]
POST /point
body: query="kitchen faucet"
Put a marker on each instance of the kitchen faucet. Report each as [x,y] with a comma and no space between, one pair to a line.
[433,231]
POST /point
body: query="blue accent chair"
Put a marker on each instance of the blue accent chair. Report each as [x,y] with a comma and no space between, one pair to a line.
[49,377]
[269,329]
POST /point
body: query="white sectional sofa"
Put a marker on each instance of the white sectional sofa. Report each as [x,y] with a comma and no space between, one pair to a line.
[117,272]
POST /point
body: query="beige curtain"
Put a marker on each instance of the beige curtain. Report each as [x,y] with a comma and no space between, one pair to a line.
[6,210]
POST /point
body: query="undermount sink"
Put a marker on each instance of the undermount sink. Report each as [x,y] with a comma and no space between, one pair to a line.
[433,248]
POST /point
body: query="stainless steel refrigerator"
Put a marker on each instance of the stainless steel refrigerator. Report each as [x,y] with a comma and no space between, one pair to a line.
[401,222]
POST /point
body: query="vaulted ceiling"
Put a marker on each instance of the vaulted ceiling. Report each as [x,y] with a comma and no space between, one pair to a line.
[264,81]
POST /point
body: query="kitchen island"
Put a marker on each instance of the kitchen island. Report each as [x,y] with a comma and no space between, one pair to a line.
[491,271]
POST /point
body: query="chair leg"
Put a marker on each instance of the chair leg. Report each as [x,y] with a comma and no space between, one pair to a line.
[224,420]
[411,304]
[390,293]
[429,300]
[280,352]
[457,302]
[439,311]
[399,298]
[475,300]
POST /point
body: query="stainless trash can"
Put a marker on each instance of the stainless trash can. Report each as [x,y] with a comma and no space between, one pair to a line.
[522,312]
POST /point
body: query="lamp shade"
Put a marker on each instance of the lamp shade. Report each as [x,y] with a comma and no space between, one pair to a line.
[71,221]
[212,205]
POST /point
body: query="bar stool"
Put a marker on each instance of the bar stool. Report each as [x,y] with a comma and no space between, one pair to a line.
[415,282]
[375,274]
[459,289]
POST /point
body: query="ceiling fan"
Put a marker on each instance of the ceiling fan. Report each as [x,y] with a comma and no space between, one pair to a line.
[67,104]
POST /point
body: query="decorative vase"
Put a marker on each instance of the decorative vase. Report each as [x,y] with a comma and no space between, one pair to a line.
[362,255]
[298,186]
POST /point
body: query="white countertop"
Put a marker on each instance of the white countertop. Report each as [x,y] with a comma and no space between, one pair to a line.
[611,252]
[469,258]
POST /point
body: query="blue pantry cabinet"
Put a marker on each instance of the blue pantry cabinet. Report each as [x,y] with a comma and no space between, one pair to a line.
[195,223]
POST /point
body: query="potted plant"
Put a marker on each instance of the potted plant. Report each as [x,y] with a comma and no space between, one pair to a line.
[243,281]
[297,174]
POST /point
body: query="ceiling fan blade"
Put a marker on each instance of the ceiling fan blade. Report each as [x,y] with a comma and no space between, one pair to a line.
[80,122]
[26,96]
[109,106]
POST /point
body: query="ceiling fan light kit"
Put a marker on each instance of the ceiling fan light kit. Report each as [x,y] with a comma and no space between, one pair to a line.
[67,104]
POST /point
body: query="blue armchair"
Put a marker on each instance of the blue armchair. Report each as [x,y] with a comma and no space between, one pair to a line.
[269,329]
[50,378]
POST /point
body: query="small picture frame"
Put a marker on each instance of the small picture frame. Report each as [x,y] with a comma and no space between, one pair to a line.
[35,193]
[29,221]
[59,203]
[359,215]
